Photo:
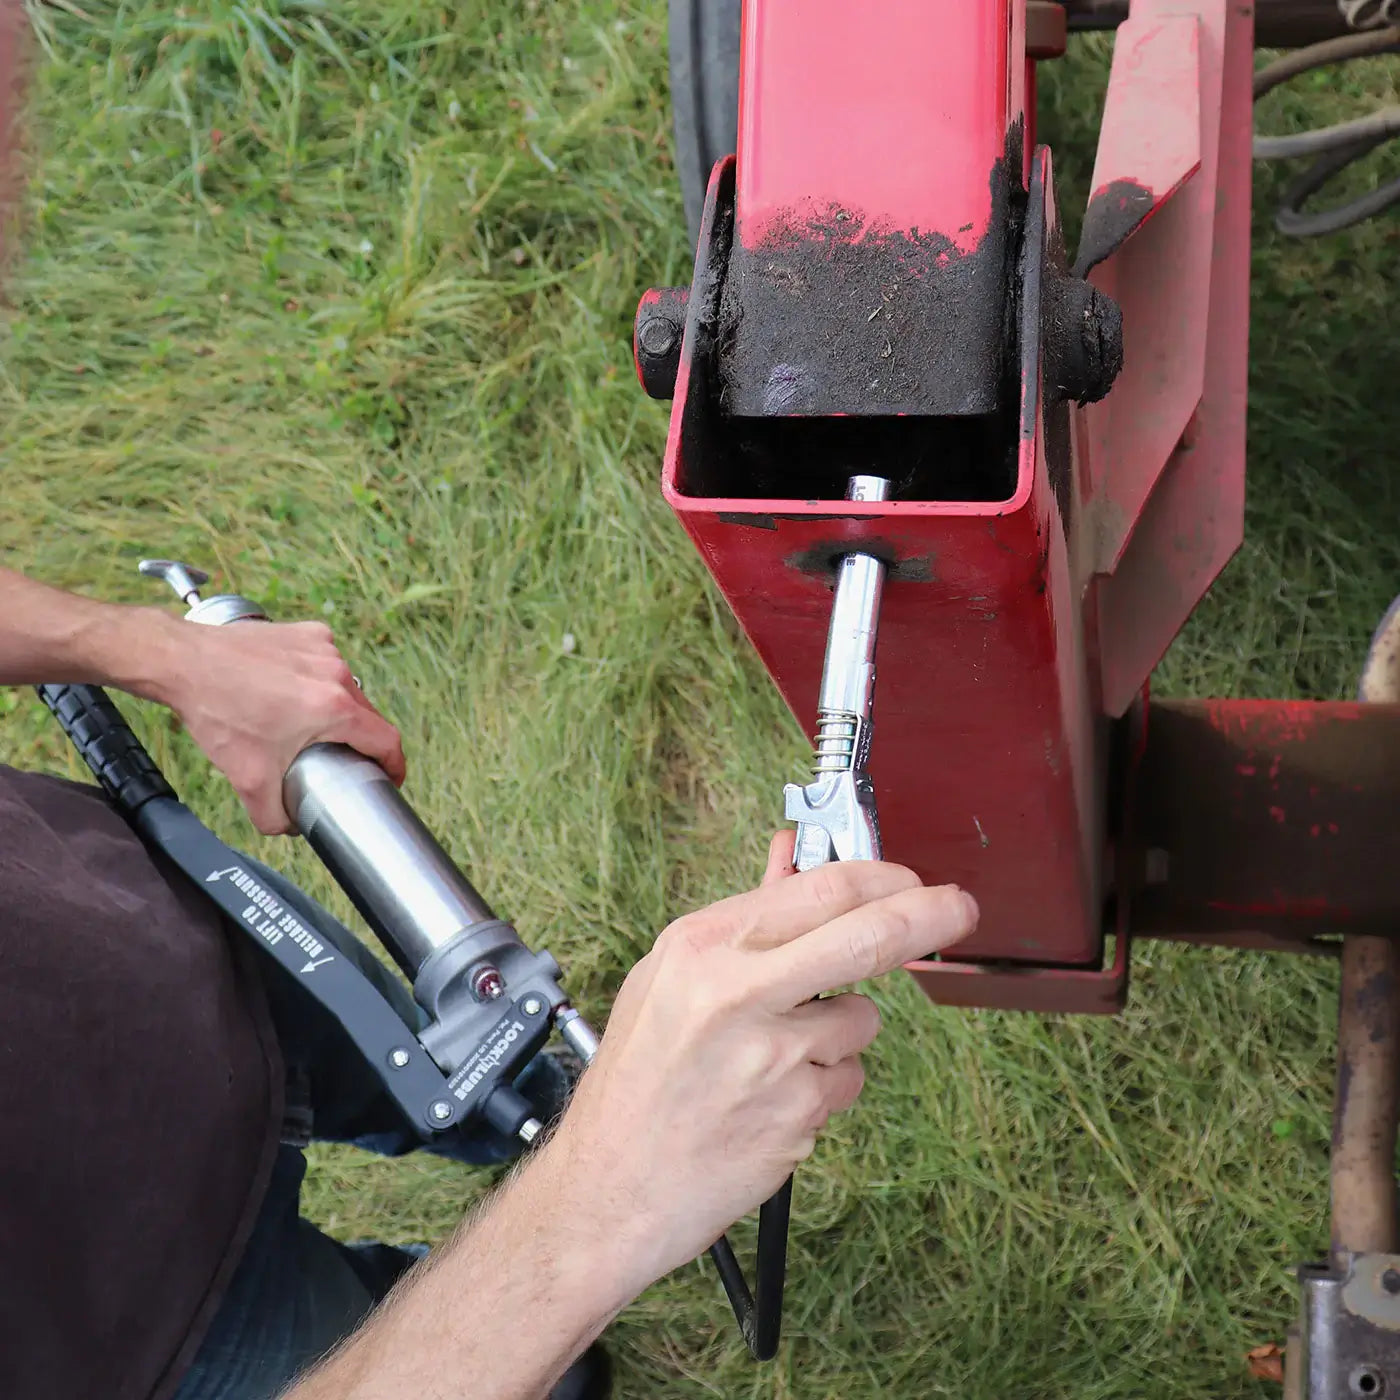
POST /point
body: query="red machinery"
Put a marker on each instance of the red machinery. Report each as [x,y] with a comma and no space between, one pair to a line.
[881,287]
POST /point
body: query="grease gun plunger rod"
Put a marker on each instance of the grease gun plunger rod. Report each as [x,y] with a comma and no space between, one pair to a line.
[835,812]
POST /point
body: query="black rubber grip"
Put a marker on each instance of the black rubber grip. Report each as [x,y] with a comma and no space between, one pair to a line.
[104,739]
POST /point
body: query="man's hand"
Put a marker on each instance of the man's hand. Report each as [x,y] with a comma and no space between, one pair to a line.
[252,694]
[715,1076]
[718,1069]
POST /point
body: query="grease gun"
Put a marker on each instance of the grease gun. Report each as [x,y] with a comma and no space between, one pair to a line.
[485,1002]
[836,820]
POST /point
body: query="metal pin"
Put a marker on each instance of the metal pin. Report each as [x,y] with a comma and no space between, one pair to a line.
[576,1033]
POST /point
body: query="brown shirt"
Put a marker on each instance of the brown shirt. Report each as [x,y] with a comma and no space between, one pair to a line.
[140,1098]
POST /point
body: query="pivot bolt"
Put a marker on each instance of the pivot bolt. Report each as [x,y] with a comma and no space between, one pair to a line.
[441,1110]
[1390,1281]
[532,1006]
[398,1057]
[1083,339]
[656,339]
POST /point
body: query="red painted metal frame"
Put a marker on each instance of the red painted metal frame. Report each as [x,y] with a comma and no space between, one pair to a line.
[1165,451]
[986,761]
[897,109]
[1012,630]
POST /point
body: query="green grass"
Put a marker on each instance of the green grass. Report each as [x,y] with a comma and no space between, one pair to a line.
[336,300]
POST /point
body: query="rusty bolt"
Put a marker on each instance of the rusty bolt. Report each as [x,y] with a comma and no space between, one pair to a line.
[656,339]
[1083,340]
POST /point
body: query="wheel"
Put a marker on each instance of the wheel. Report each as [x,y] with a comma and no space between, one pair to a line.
[704,93]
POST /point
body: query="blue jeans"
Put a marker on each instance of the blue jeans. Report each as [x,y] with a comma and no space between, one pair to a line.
[297,1292]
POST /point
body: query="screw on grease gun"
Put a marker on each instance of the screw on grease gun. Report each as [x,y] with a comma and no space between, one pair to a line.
[488,1002]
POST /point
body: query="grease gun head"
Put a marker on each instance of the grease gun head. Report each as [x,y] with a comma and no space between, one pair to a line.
[835,813]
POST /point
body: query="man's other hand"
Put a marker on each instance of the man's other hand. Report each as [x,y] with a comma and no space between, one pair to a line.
[719,1069]
[253,695]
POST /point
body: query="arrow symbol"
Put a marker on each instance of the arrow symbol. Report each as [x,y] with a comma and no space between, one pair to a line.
[320,962]
[217,875]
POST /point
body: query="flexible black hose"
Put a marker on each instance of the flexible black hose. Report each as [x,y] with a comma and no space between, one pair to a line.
[1340,50]
[128,774]
[1364,132]
[1335,148]
[1293,220]
[759,1313]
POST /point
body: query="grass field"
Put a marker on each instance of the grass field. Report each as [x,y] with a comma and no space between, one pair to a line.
[336,301]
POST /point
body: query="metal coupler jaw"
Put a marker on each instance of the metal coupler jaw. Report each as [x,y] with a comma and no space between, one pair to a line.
[835,816]
[835,812]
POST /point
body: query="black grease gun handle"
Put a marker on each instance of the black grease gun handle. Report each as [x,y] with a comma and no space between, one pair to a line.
[118,761]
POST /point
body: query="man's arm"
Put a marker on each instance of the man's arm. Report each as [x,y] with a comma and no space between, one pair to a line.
[715,1076]
[252,695]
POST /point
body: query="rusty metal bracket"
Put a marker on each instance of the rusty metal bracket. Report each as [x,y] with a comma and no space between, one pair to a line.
[1269,821]
[1350,1330]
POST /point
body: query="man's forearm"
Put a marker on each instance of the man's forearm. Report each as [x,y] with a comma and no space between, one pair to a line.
[501,1311]
[49,635]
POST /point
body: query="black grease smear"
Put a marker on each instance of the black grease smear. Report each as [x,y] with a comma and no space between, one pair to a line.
[1113,213]
[822,558]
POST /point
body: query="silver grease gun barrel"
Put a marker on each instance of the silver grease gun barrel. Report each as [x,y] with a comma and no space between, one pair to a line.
[438,928]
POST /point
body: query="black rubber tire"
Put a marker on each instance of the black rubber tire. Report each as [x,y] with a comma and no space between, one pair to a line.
[704,93]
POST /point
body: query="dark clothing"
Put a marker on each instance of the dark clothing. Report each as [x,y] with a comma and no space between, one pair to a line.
[153,1250]
[140,1102]
[296,1294]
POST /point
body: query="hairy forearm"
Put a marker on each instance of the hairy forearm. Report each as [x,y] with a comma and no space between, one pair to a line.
[500,1312]
[47,635]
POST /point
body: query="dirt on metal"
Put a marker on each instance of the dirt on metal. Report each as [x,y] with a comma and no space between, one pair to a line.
[834,313]
[1114,212]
